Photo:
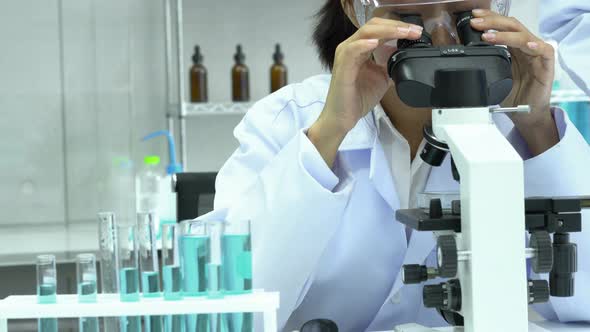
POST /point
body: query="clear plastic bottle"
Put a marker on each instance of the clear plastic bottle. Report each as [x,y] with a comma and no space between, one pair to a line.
[149,180]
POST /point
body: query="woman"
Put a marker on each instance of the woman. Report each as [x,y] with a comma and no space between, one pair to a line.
[323,165]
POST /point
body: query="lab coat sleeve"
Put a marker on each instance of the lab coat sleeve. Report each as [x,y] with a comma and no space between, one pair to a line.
[279,181]
[568,22]
[563,171]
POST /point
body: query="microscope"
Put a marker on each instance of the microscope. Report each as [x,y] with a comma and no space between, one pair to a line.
[481,243]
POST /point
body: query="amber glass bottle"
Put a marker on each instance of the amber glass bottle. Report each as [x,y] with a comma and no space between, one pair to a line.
[278,71]
[240,77]
[198,78]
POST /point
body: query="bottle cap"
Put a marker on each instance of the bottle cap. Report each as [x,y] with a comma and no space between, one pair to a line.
[151,160]
[239,56]
[278,56]
[197,57]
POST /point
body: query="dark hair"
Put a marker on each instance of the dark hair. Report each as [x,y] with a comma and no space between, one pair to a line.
[332,28]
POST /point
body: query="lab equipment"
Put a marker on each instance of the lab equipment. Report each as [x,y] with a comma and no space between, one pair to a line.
[198,78]
[437,14]
[109,262]
[172,274]
[240,77]
[148,185]
[214,231]
[128,273]
[486,210]
[108,248]
[195,258]
[237,269]
[46,290]
[278,71]
[86,281]
[167,199]
[147,224]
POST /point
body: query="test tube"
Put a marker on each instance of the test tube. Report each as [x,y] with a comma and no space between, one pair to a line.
[171,262]
[128,274]
[194,248]
[237,269]
[109,261]
[46,290]
[107,230]
[172,276]
[86,280]
[214,230]
[214,268]
[148,261]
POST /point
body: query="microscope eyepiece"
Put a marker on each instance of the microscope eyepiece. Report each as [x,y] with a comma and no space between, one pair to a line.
[423,42]
[468,35]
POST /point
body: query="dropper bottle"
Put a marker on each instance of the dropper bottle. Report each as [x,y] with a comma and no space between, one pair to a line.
[198,78]
[240,78]
[278,71]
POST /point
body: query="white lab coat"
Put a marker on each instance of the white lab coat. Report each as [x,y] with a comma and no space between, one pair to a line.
[568,22]
[328,241]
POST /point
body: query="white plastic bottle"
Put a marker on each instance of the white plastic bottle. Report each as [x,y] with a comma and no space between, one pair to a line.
[149,180]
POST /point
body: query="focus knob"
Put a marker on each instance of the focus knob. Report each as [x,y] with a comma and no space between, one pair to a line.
[434,296]
[538,291]
[414,274]
[447,256]
[543,260]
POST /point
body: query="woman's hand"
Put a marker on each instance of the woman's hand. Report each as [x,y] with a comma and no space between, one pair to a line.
[358,83]
[533,68]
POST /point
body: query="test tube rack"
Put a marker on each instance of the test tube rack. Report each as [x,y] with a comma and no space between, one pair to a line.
[109,305]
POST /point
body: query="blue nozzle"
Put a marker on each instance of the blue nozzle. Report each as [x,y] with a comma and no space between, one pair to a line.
[173,167]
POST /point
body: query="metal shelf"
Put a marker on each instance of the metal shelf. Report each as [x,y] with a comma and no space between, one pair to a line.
[203,109]
[109,305]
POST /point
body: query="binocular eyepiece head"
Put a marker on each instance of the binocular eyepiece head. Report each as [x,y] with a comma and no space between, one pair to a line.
[467,35]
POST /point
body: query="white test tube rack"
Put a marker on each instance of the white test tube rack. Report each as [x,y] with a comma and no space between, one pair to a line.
[109,305]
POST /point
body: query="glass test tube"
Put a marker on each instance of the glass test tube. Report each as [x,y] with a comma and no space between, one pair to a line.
[218,322]
[109,262]
[46,290]
[107,230]
[171,272]
[172,276]
[237,270]
[86,281]
[148,262]
[128,274]
[194,257]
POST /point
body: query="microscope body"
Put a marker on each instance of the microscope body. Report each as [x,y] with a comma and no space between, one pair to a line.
[481,243]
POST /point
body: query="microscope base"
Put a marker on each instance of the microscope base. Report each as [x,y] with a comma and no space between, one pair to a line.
[420,328]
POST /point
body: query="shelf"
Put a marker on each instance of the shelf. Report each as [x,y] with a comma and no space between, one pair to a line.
[229,108]
[108,305]
[200,109]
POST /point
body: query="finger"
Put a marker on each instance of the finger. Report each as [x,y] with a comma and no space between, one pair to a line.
[528,44]
[387,32]
[497,22]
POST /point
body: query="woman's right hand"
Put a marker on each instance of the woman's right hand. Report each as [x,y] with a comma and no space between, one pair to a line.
[358,83]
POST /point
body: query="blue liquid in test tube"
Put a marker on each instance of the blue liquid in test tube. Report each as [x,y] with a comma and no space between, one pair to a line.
[86,280]
[46,290]
[194,247]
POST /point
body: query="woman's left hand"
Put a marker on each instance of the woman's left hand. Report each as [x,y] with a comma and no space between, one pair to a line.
[533,69]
